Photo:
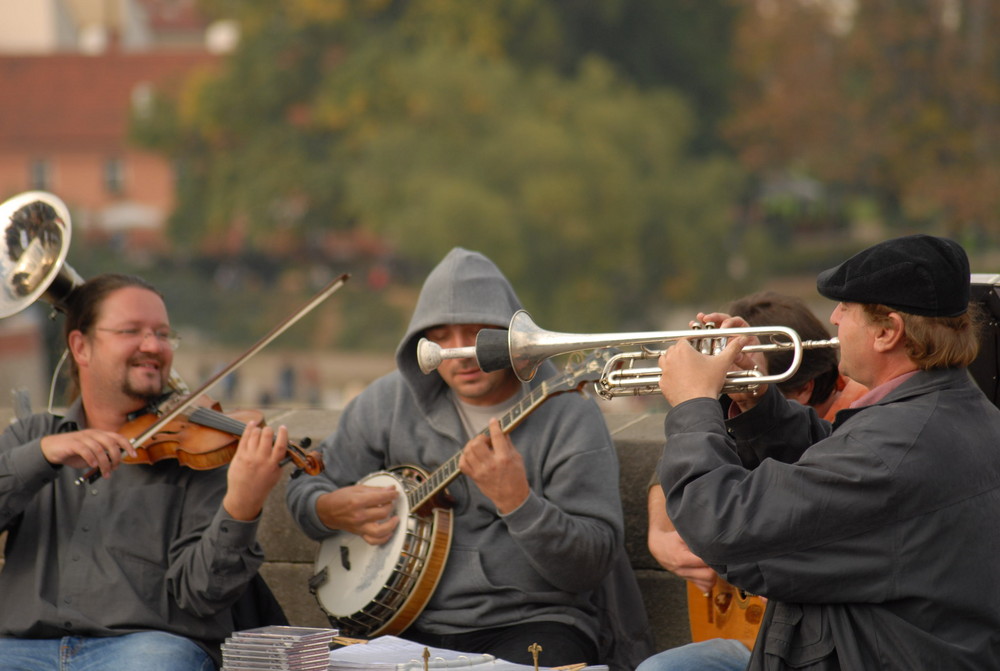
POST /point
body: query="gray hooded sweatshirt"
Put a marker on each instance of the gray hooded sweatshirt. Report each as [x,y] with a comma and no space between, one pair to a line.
[542,561]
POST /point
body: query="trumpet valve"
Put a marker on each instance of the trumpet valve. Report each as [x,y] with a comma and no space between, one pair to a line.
[711,346]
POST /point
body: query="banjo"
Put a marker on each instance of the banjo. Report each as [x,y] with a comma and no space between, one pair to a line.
[374,590]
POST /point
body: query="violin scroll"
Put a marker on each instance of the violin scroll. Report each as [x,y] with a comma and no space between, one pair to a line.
[310,463]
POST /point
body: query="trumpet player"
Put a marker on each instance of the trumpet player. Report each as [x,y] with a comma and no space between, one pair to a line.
[817,383]
[873,539]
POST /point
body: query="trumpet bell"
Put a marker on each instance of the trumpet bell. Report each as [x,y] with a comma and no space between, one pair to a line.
[36,237]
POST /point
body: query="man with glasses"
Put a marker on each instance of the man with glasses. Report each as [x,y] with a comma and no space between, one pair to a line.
[141,568]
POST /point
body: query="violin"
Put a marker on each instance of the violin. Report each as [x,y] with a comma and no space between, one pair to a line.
[204,439]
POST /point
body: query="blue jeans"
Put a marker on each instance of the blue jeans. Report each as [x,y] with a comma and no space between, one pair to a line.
[715,654]
[153,650]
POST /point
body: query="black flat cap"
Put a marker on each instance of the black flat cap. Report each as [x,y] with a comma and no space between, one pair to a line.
[918,274]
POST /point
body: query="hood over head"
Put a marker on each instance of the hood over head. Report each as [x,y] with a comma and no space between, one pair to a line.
[464,288]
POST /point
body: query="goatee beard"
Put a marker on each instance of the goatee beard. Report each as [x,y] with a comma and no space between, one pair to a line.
[148,398]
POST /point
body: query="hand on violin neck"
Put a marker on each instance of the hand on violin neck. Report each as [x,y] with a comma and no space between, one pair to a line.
[254,470]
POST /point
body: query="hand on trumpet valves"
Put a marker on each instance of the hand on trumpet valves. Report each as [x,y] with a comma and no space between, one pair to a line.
[686,373]
[746,360]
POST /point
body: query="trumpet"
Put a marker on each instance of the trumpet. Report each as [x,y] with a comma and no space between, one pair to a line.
[524,346]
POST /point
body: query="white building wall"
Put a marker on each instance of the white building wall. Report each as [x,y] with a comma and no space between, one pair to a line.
[36,27]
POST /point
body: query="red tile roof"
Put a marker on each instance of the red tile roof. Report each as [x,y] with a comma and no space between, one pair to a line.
[75,102]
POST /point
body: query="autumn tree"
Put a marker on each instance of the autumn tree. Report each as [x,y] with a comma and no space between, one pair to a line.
[893,102]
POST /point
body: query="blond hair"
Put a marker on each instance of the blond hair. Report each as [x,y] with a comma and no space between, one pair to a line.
[935,342]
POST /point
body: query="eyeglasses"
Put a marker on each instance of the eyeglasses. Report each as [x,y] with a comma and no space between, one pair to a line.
[167,337]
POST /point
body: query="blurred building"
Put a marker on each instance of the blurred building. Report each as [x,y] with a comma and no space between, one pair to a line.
[89,26]
[24,363]
[73,72]
[64,121]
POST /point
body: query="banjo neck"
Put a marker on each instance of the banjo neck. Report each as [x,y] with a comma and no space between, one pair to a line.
[448,471]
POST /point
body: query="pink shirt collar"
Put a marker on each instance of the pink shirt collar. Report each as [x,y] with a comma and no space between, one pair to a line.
[878,393]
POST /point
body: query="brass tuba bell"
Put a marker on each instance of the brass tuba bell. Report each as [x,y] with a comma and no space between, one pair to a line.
[36,235]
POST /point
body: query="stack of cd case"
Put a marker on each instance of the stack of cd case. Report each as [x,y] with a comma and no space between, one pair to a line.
[279,648]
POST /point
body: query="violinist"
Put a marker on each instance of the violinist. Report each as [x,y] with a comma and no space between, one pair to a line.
[141,567]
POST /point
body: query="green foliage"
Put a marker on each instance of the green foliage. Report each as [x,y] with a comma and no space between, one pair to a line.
[370,322]
[571,184]
[680,44]
[578,144]
[414,121]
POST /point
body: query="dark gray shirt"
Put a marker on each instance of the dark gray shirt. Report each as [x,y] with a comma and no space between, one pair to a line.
[149,548]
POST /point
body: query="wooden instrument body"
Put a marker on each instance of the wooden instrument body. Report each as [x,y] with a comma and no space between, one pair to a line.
[726,612]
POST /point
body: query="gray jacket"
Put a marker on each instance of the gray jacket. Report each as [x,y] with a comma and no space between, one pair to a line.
[542,561]
[149,548]
[876,543]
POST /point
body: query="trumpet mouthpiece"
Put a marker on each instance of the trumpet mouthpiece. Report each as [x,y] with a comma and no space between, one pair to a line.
[430,354]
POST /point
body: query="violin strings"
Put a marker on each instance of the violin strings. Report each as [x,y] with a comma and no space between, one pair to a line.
[217,420]
[214,419]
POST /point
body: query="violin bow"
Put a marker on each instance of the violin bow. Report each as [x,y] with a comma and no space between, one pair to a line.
[283,326]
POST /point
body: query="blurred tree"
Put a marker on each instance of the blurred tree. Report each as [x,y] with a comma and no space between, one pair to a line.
[411,120]
[894,101]
[680,44]
[571,185]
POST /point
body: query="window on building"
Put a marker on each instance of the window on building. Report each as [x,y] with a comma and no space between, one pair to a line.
[41,174]
[114,176]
